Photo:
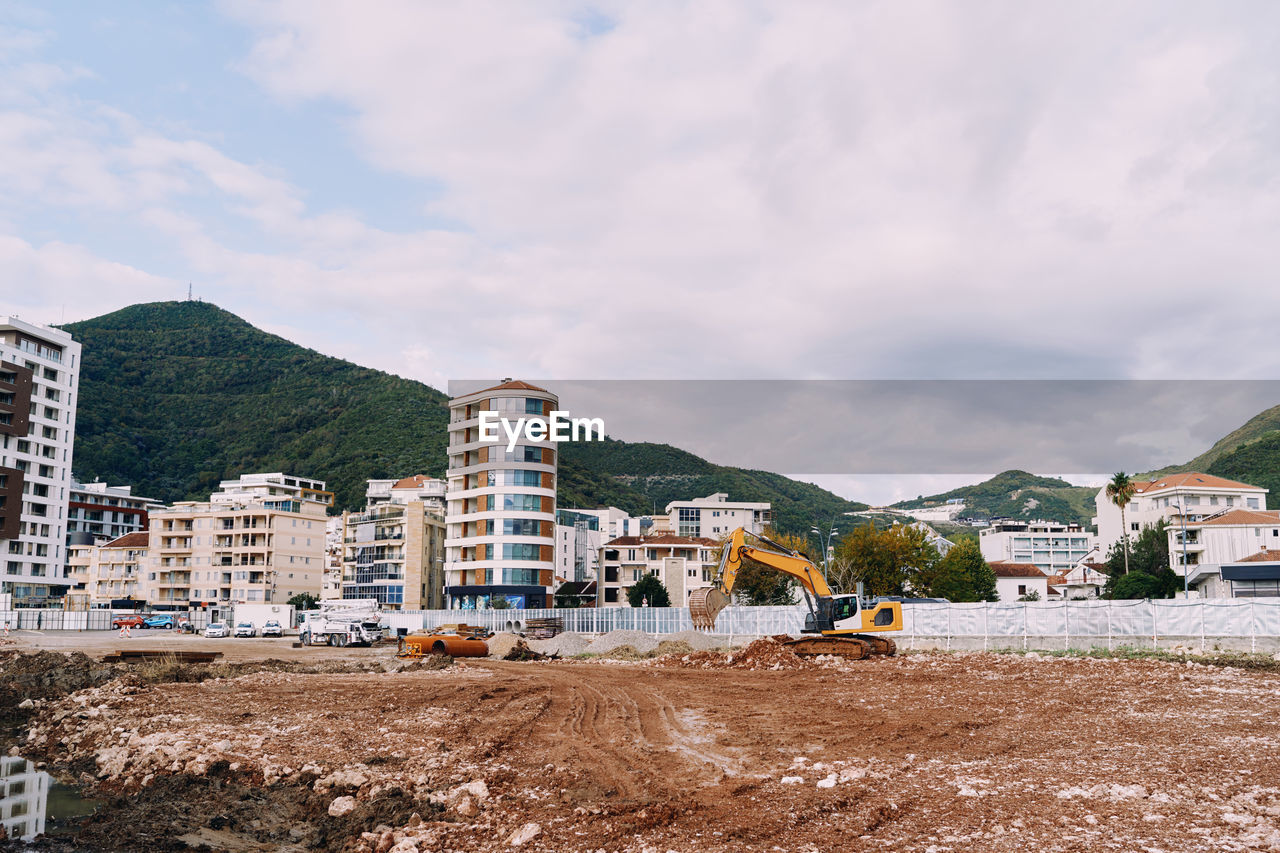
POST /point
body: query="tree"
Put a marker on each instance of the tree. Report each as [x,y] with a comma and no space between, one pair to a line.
[1147,564]
[893,561]
[1120,491]
[962,575]
[1031,595]
[304,601]
[650,589]
[760,585]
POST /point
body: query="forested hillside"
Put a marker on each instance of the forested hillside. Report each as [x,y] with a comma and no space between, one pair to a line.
[1018,494]
[175,396]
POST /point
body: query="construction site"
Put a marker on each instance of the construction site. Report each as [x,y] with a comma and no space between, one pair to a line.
[631,742]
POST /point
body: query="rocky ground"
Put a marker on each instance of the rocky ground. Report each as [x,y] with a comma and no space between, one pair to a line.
[747,750]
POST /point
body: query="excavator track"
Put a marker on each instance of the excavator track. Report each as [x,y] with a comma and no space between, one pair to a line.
[852,648]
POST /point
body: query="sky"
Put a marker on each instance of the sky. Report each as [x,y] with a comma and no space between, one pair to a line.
[661,190]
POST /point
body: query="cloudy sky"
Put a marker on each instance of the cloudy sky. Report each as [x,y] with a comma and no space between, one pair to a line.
[661,190]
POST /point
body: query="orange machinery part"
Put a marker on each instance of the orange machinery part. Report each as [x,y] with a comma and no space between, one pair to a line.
[420,645]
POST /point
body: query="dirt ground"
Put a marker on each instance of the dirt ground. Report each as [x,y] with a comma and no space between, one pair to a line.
[923,752]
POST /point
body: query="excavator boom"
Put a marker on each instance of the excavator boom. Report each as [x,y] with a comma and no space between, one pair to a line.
[705,604]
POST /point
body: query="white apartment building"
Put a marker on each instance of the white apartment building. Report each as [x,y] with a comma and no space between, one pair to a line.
[1052,547]
[682,563]
[331,583]
[24,796]
[243,547]
[614,522]
[107,512]
[1214,543]
[1198,495]
[715,515]
[578,541]
[251,487]
[39,386]
[394,551]
[501,515]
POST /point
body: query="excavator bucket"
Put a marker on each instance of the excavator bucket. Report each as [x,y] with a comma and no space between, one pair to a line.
[705,605]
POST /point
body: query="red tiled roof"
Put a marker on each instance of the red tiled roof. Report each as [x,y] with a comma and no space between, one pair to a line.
[1016,570]
[1267,556]
[413,482]
[1188,480]
[1240,516]
[138,539]
[661,539]
[514,385]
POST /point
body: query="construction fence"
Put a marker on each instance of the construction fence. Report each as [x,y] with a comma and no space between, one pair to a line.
[1245,624]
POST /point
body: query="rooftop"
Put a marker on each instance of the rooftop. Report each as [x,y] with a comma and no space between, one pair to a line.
[1016,570]
[139,539]
[662,539]
[1191,479]
[1267,556]
[1243,517]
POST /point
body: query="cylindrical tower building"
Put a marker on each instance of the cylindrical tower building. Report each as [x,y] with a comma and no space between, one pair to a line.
[500,521]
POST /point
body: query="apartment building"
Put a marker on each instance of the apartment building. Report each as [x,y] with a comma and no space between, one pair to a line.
[394,550]
[501,504]
[682,563]
[107,574]
[331,582]
[1052,547]
[1210,547]
[39,384]
[1193,494]
[240,546]
[24,796]
[578,541]
[715,515]
[107,512]
[249,487]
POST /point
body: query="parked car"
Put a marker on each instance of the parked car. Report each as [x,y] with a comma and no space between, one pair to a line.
[134,621]
[162,620]
[272,629]
[217,629]
[246,629]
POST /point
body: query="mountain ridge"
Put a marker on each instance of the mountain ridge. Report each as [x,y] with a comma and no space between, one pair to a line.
[175,396]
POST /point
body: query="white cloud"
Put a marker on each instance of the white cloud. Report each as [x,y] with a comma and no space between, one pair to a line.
[715,190]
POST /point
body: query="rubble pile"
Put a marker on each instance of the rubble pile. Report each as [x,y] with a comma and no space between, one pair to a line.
[767,653]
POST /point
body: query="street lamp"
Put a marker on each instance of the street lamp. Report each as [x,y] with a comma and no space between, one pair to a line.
[826,546]
[1182,516]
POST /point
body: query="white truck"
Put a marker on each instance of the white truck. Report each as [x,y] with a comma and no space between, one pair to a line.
[343,622]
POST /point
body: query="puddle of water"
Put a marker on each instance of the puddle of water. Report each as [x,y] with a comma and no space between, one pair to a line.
[32,802]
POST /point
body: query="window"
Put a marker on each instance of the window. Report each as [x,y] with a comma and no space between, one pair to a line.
[1213,500]
[1022,589]
[1253,503]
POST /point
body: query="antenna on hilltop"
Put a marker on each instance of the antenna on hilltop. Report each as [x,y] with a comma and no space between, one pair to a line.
[189,292]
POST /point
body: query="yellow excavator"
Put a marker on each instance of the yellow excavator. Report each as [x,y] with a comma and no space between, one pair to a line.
[843,625]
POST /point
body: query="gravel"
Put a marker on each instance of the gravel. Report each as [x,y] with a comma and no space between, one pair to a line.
[566,645]
[500,644]
[638,640]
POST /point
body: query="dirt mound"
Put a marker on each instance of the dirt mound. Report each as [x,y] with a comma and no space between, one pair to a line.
[500,644]
[638,640]
[565,645]
[697,640]
[765,653]
[42,675]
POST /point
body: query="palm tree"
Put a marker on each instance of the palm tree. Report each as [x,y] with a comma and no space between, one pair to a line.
[1120,491]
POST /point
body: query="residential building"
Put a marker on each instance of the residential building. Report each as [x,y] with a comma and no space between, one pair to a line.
[613,522]
[251,487]
[39,386]
[500,537]
[682,563]
[1254,576]
[1086,579]
[940,543]
[1166,498]
[1016,580]
[394,551]
[578,541]
[1050,546]
[239,547]
[24,796]
[331,583]
[715,516]
[1213,543]
[108,574]
[107,512]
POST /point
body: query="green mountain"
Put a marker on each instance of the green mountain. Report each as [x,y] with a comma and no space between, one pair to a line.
[1262,425]
[175,396]
[1018,494]
[1256,462]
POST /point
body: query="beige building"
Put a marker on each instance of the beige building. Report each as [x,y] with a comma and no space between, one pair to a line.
[107,574]
[394,550]
[682,563]
[237,549]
